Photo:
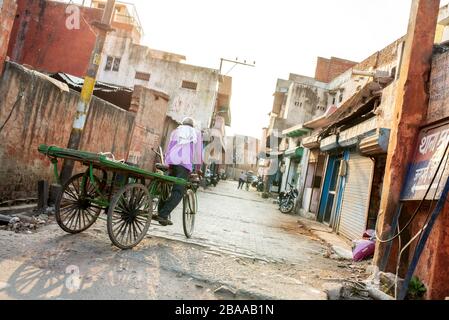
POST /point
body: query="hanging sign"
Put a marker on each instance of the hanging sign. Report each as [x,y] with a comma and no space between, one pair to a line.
[428,155]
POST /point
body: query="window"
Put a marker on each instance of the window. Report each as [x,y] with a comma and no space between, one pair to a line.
[112,64]
[109,63]
[341,98]
[143,76]
[393,72]
[116,66]
[189,85]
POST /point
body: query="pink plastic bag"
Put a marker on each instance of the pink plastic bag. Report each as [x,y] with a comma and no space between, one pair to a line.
[363,250]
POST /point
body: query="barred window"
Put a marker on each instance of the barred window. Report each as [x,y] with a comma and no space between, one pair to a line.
[143,76]
[112,63]
[189,85]
[116,66]
[109,62]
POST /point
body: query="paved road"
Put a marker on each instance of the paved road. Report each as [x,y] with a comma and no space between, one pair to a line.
[241,241]
[241,222]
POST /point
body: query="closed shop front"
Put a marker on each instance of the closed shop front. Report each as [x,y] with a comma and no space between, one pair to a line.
[356,196]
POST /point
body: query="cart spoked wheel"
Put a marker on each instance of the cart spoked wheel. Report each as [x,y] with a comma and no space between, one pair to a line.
[189,210]
[129,216]
[74,211]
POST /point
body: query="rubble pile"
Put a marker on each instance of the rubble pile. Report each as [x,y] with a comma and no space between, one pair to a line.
[22,223]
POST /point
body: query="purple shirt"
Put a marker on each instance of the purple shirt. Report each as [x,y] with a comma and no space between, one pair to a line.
[185,154]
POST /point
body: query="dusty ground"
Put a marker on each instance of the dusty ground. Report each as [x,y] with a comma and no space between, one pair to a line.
[241,242]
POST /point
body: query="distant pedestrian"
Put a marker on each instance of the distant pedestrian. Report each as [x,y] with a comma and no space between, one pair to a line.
[242,180]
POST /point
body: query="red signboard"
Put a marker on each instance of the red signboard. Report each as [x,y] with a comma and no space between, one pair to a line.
[429,154]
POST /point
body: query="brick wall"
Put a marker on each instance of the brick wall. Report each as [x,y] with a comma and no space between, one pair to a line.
[151,107]
[329,69]
[7,14]
[44,116]
[41,39]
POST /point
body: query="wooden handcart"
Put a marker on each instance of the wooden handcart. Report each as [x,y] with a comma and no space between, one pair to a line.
[127,194]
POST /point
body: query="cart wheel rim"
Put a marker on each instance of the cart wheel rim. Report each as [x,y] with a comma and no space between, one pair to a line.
[74,210]
[190,209]
[129,216]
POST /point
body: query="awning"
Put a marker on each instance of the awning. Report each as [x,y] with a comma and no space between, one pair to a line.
[329,143]
[296,132]
[294,153]
[313,141]
[119,96]
[376,144]
[353,135]
[356,101]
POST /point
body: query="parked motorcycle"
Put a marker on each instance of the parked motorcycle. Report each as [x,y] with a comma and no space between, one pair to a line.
[258,184]
[211,179]
[287,199]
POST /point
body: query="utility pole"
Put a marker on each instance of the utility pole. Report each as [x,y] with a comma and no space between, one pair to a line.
[235,63]
[410,114]
[89,83]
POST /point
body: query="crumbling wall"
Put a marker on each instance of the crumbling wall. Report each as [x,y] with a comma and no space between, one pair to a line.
[108,129]
[45,115]
[151,107]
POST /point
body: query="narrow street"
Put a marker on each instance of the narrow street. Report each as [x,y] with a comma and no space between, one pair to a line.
[242,244]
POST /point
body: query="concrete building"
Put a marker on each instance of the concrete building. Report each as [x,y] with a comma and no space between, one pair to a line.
[245,155]
[348,148]
[198,92]
[296,101]
[193,90]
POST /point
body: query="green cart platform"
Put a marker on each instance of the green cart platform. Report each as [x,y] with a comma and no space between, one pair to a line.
[127,194]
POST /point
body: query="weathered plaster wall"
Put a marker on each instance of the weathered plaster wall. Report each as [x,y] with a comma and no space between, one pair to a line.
[41,39]
[165,76]
[304,103]
[439,89]
[45,116]
[7,14]
[149,128]
[108,129]
[435,257]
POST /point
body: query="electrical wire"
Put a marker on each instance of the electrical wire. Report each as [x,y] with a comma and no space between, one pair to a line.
[419,206]
[19,98]
[421,231]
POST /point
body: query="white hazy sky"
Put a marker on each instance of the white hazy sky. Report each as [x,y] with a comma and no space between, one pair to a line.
[282,36]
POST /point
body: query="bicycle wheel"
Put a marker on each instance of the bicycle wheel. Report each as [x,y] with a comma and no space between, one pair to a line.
[129,216]
[189,210]
[74,211]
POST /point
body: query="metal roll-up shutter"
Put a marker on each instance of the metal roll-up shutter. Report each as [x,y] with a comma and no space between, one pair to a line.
[356,196]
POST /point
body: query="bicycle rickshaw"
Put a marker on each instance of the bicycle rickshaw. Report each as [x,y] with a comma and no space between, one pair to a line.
[126,194]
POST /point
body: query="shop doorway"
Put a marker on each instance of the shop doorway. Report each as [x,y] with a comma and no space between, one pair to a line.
[330,196]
